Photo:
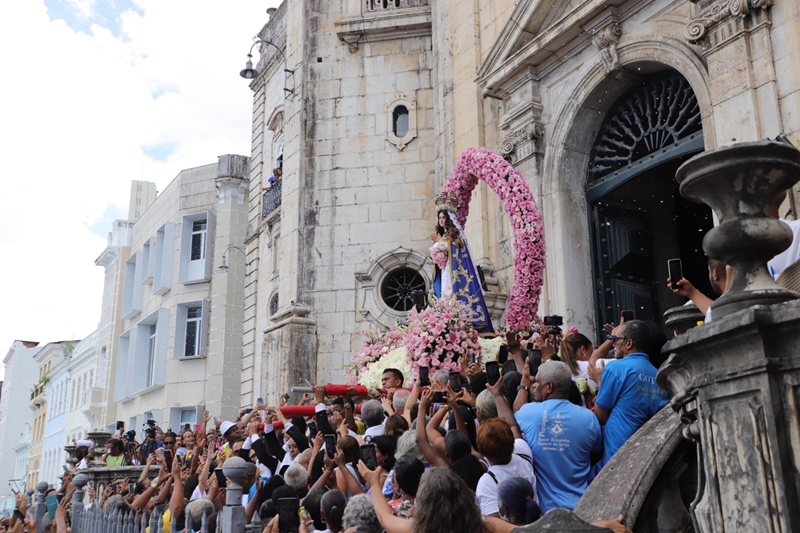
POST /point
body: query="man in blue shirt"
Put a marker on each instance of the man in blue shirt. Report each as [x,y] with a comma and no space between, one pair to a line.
[561,436]
[628,395]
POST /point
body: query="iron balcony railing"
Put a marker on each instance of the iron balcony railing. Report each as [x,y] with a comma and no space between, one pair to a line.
[271,199]
[387,5]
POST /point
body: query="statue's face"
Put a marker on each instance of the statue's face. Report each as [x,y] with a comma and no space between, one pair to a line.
[442,218]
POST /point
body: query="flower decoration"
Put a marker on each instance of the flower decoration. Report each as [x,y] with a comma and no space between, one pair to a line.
[439,254]
[529,261]
[435,337]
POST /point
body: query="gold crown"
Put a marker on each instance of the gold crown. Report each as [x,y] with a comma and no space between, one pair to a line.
[447,202]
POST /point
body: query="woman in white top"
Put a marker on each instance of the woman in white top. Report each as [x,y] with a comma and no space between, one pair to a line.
[575,351]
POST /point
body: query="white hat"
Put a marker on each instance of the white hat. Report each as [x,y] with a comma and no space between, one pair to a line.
[225,426]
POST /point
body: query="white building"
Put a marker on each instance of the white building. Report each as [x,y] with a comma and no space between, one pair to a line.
[178,348]
[20,376]
[102,409]
[82,379]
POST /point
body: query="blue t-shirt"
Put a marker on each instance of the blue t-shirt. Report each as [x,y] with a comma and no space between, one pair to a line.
[628,389]
[560,435]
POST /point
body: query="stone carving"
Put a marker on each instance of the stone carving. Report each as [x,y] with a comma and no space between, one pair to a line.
[729,383]
[522,143]
[746,237]
[351,39]
[698,29]
[606,41]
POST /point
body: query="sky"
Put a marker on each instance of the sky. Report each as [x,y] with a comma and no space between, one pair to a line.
[94,94]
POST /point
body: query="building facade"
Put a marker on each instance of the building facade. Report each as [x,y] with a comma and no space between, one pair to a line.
[79,408]
[47,357]
[596,103]
[57,394]
[169,342]
[20,376]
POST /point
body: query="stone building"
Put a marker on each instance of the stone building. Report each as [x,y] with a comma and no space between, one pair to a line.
[170,336]
[596,103]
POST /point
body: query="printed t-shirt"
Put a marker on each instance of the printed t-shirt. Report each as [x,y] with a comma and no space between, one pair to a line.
[561,436]
[519,466]
[628,389]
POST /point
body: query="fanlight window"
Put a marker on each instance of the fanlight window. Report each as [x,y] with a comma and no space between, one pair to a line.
[649,118]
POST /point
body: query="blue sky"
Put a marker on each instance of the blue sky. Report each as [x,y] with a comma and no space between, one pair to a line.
[104,92]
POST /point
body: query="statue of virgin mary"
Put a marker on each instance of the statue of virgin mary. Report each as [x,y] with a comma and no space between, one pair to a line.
[456,273]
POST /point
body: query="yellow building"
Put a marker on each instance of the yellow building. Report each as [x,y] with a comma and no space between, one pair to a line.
[45,358]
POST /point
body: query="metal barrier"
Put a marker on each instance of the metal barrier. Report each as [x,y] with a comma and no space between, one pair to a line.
[230,519]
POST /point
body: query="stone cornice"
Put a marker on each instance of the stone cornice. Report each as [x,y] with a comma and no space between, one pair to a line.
[383,26]
[108,257]
[719,13]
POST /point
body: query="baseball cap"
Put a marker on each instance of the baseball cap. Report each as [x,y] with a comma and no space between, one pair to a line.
[225,427]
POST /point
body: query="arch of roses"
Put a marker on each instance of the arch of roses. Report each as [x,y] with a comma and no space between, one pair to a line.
[526,221]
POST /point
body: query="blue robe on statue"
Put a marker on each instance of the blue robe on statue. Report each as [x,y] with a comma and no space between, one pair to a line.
[466,286]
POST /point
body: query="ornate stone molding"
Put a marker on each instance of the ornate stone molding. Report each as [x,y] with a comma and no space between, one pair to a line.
[522,143]
[606,41]
[710,24]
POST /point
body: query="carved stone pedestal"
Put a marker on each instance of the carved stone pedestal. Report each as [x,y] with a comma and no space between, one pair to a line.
[737,384]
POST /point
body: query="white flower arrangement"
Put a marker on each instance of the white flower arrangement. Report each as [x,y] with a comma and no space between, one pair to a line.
[397,358]
[490,348]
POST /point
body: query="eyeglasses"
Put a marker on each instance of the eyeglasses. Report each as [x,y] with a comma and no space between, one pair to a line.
[169,443]
[614,338]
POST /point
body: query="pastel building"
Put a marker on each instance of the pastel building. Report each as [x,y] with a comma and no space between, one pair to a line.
[20,376]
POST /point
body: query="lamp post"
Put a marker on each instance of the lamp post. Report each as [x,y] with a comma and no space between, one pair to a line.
[249,72]
[224,266]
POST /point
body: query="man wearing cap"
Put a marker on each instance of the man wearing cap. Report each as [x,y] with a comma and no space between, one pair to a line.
[231,433]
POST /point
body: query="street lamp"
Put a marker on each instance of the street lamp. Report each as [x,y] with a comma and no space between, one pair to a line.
[224,266]
[249,72]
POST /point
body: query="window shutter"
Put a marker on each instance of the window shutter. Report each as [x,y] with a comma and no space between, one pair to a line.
[204,328]
[162,334]
[210,225]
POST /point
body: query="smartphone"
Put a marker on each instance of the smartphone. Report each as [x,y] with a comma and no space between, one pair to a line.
[120,424]
[438,397]
[368,456]
[675,270]
[248,411]
[492,372]
[455,381]
[197,427]
[627,316]
[222,481]
[502,354]
[288,515]
[168,460]
[52,502]
[259,400]
[330,445]
[424,376]
[286,397]
[534,360]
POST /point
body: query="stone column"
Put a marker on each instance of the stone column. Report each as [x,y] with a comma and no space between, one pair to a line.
[224,364]
[735,37]
[736,380]
[290,351]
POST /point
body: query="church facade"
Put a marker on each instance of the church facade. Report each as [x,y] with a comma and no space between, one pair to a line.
[365,105]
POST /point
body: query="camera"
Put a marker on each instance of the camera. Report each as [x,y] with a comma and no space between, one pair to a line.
[554,333]
[150,429]
[554,320]
[130,435]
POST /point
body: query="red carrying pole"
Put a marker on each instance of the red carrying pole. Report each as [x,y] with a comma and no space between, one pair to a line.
[290,411]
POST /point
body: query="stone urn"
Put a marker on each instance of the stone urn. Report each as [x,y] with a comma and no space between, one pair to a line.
[683,318]
[100,438]
[738,181]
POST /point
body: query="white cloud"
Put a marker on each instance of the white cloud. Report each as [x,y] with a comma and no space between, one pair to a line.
[76,111]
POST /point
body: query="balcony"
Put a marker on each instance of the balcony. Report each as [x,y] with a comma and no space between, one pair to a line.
[388,5]
[271,199]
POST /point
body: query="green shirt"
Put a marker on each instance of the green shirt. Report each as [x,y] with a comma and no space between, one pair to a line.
[119,460]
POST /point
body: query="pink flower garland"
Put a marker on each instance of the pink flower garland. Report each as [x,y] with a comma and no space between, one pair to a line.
[519,204]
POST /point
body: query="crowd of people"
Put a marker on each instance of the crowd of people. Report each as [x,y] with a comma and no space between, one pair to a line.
[474,450]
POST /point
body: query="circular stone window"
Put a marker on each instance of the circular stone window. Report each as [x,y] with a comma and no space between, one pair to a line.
[400,288]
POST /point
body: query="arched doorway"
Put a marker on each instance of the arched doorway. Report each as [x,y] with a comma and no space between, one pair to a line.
[638,219]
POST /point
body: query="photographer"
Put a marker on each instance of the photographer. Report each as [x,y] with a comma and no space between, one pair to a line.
[150,444]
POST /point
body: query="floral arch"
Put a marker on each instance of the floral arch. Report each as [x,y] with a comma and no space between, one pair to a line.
[526,221]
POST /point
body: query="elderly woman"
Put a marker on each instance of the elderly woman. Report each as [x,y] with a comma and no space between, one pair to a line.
[360,515]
